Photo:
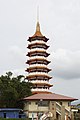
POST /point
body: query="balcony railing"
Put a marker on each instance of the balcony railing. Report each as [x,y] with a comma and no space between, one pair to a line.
[38,49]
[37,41]
[37,65]
[39,81]
[38,73]
[39,89]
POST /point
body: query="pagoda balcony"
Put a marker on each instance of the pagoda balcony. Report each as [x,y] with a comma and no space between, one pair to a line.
[37,45]
[38,53]
[39,60]
[38,57]
[37,49]
[38,77]
[38,36]
[40,81]
[37,41]
[38,73]
[37,65]
[39,89]
[38,69]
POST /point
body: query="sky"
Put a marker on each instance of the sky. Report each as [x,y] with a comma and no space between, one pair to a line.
[60,22]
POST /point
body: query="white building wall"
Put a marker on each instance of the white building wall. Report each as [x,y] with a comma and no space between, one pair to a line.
[32,108]
[66,104]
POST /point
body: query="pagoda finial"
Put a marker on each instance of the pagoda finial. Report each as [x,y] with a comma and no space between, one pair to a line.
[38,32]
[38,25]
[37,13]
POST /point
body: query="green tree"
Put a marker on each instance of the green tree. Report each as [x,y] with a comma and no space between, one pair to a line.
[13,89]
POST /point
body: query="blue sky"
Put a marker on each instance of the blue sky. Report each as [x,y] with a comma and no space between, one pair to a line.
[60,22]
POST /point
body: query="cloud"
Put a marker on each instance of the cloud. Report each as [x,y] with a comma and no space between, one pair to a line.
[15,61]
[17,52]
[66,64]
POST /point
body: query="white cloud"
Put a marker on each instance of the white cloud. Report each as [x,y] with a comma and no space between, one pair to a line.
[16,51]
[66,64]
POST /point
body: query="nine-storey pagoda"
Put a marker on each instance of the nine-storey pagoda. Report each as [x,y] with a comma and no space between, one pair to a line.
[38,70]
[53,106]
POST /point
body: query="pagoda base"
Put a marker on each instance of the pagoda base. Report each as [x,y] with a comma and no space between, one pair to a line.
[41,92]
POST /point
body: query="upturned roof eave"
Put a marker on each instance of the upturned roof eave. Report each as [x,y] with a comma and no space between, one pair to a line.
[51,96]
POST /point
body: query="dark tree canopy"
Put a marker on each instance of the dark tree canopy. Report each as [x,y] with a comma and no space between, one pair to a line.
[13,89]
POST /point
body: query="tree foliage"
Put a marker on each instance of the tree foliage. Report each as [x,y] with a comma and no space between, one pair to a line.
[13,89]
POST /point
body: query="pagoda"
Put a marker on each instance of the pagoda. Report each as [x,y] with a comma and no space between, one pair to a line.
[43,104]
[38,64]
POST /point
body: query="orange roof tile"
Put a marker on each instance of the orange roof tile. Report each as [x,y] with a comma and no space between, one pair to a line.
[41,92]
[51,96]
[38,32]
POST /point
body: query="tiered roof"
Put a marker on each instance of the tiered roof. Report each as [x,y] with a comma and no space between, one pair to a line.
[38,70]
[50,96]
[38,60]
[38,32]
[38,35]
[38,45]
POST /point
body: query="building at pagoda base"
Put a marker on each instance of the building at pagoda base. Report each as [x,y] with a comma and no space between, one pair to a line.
[43,104]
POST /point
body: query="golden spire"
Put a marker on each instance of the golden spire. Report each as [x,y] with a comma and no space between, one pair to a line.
[38,27]
[38,32]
